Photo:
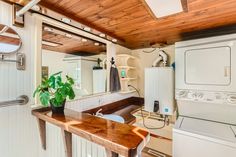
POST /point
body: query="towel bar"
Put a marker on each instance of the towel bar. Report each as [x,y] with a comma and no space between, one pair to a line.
[21,100]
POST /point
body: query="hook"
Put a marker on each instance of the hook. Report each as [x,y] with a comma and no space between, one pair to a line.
[112,61]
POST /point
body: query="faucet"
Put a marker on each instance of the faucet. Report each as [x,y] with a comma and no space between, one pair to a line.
[98,113]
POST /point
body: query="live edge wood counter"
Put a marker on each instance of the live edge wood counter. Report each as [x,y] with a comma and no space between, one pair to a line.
[117,138]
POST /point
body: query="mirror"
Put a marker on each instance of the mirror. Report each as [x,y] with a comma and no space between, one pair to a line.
[10,41]
[81,58]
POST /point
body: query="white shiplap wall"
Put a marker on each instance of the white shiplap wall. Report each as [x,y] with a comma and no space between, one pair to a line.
[19,136]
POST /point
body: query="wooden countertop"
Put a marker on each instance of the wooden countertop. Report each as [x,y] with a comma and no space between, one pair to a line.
[116,137]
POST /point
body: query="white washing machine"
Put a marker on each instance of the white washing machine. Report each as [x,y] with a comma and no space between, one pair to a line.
[200,138]
[206,96]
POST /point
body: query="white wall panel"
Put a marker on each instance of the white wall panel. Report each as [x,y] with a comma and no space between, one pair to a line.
[19,136]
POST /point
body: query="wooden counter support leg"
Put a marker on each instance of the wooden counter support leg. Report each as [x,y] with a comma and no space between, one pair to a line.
[67,140]
[42,132]
[111,154]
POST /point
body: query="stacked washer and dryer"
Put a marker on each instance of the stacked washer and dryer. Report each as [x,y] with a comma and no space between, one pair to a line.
[205,90]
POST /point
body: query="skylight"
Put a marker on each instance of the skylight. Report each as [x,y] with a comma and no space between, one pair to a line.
[161,8]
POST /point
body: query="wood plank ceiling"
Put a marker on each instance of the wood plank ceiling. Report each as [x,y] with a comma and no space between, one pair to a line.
[131,21]
[67,42]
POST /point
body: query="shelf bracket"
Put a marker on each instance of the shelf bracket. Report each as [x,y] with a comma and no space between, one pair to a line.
[42,132]
[67,140]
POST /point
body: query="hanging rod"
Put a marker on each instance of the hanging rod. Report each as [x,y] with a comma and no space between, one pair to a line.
[21,100]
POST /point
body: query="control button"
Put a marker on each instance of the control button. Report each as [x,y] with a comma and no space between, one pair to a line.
[200,95]
[194,95]
[231,99]
[182,94]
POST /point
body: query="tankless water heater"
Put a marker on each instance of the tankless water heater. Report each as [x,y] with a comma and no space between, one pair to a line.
[159,90]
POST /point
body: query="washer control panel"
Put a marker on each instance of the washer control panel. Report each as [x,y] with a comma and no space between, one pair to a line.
[205,96]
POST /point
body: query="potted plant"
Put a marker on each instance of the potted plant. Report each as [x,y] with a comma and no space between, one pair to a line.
[54,91]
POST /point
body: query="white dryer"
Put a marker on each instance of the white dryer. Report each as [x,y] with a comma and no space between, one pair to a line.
[206,96]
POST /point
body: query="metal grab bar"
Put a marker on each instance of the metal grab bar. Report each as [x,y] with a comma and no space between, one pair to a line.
[21,100]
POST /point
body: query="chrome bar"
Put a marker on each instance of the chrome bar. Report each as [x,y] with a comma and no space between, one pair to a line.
[21,100]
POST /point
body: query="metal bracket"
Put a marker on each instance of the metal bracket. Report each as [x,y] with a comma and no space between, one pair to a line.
[20,60]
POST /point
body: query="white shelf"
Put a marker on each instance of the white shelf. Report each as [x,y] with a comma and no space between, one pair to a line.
[126,56]
[126,67]
[127,63]
[127,79]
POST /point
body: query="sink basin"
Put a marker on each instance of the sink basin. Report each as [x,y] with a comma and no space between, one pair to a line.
[114,117]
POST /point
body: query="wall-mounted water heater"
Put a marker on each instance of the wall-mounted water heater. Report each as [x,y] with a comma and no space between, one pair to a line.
[159,90]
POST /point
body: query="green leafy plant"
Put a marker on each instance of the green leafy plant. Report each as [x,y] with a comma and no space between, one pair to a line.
[54,91]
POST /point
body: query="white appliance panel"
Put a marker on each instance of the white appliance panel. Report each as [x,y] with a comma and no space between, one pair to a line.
[190,146]
[159,86]
[208,66]
[203,138]
[206,78]
[206,90]
[211,129]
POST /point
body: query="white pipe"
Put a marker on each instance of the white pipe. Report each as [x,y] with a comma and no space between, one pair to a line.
[154,64]
[26,7]
[162,57]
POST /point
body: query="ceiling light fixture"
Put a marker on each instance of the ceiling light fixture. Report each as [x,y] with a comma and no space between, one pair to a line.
[114,40]
[52,44]
[48,29]
[65,20]
[161,8]
[68,35]
[102,35]
[96,44]
[87,29]
[84,40]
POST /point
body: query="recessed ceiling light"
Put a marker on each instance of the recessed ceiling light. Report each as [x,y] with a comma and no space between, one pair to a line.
[66,20]
[84,40]
[114,40]
[96,44]
[161,8]
[87,29]
[102,35]
[48,29]
[48,43]
[68,35]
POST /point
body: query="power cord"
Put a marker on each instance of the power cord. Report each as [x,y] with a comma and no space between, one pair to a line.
[143,118]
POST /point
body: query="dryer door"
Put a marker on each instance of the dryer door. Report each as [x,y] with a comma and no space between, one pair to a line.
[208,66]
